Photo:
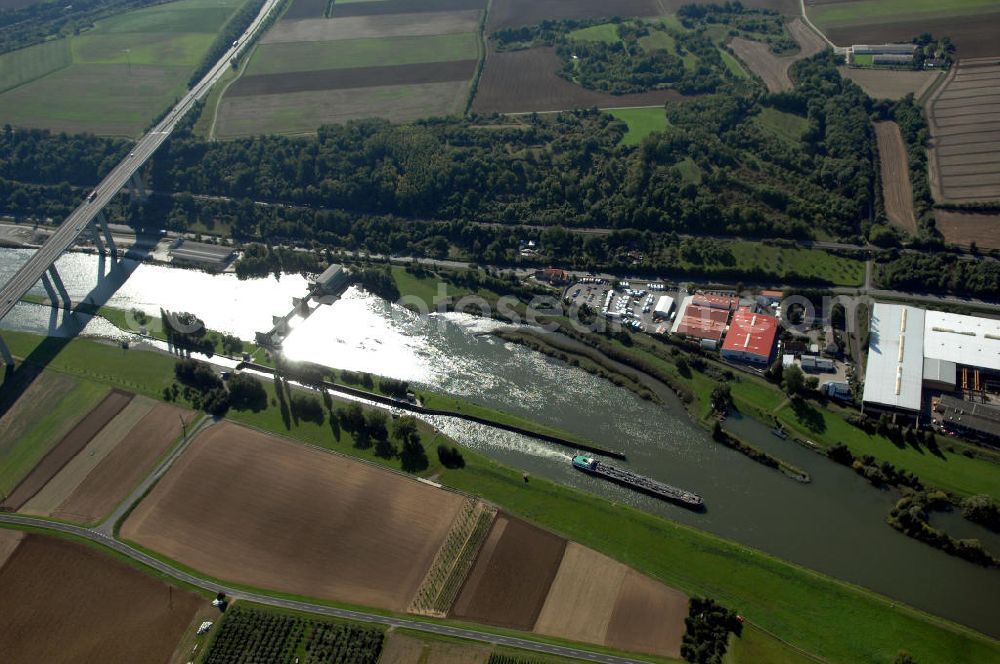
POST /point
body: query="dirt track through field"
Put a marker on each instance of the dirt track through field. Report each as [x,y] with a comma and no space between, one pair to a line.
[358,77]
[894,167]
[65,603]
[121,470]
[360,27]
[964,120]
[255,509]
[79,467]
[512,575]
[68,447]
[773,69]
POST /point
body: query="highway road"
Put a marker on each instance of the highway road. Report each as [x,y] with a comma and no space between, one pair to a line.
[111,185]
[360,616]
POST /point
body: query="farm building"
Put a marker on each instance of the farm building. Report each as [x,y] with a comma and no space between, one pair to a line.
[199,254]
[913,349]
[892,59]
[751,337]
[884,49]
[332,281]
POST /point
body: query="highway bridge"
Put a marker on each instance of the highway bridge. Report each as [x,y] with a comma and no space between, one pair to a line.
[88,216]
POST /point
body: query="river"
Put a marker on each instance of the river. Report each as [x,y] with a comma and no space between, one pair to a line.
[836,524]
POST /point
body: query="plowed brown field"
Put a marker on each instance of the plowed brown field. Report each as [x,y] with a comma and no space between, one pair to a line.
[890,83]
[965,228]
[357,77]
[772,69]
[526,80]
[63,602]
[67,448]
[895,170]
[974,36]
[964,119]
[648,617]
[9,539]
[512,575]
[252,508]
[121,470]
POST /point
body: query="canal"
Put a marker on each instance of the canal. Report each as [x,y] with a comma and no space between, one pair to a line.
[835,524]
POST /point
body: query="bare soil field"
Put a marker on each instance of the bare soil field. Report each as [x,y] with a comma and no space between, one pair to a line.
[405,649]
[255,509]
[526,81]
[648,617]
[965,228]
[403,7]
[305,9]
[515,13]
[9,539]
[890,84]
[68,447]
[582,597]
[358,77]
[63,602]
[973,36]
[302,112]
[121,470]
[964,120]
[361,27]
[512,575]
[772,69]
[57,489]
[894,167]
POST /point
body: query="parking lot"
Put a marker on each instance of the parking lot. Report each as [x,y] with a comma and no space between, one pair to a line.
[631,303]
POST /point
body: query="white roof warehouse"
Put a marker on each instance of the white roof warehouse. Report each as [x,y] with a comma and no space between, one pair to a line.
[909,347]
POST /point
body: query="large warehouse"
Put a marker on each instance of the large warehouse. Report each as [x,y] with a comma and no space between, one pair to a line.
[912,349]
[751,337]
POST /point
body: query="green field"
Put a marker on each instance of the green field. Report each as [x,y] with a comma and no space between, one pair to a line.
[348,53]
[27,64]
[44,426]
[690,173]
[863,60]
[787,126]
[641,122]
[605,32]
[733,65]
[885,11]
[658,40]
[115,77]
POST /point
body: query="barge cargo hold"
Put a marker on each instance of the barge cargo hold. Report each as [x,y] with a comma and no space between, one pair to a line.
[638,482]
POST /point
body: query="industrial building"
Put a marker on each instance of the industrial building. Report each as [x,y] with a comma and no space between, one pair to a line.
[332,281]
[976,420]
[664,305]
[911,350]
[751,337]
[213,257]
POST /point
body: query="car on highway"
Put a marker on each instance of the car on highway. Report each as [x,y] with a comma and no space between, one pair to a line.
[131,154]
[92,196]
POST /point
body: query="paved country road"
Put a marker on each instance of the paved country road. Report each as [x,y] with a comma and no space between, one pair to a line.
[308,607]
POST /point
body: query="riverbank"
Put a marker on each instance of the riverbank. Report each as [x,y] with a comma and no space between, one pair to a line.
[778,596]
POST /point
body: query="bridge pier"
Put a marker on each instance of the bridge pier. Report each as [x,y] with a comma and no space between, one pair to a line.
[95,235]
[50,289]
[5,355]
[136,188]
[57,280]
[103,223]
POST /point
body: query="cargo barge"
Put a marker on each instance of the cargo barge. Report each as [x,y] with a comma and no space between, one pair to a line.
[638,482]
